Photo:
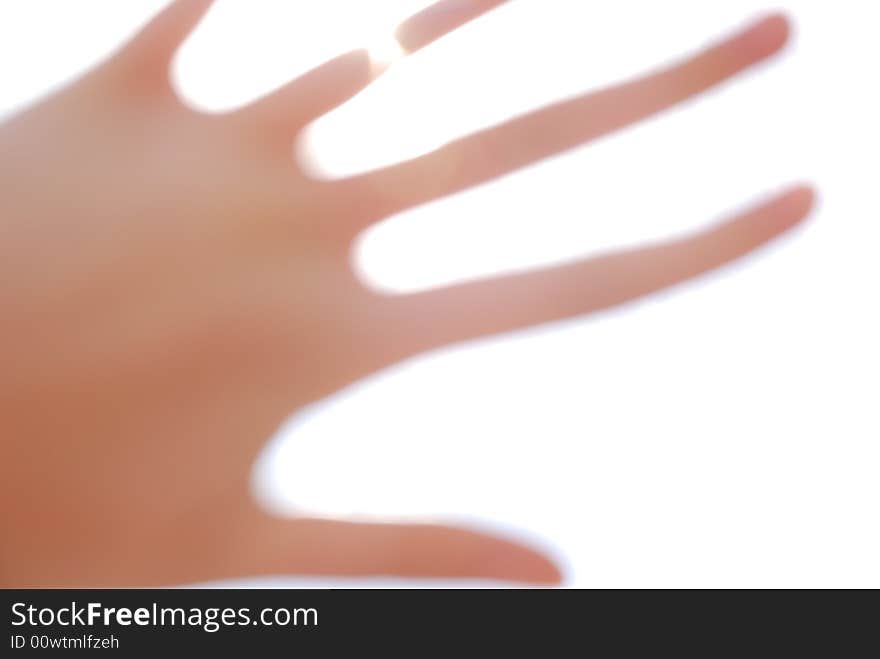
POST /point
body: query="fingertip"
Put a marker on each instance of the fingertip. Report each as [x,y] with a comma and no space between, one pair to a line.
[358,68]
[799,201]
[546,572]
[778,24]
[524,565]
[355,64]
[472,553]
[439,19]
[768,34]
[777,215]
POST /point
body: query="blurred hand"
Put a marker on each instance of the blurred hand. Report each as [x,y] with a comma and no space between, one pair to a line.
[173,285]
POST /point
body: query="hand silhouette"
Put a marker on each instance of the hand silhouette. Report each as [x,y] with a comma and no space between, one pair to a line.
[174,285]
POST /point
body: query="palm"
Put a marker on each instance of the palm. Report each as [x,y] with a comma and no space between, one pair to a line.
[206,293]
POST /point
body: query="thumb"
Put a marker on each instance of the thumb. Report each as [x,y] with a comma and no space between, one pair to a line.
[329,547]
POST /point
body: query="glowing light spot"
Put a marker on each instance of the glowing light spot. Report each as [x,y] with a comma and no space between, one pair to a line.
[384,51]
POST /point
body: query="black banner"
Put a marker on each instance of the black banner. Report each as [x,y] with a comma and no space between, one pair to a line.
[330,622]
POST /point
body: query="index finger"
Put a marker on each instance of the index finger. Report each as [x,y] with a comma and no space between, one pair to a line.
[493,152]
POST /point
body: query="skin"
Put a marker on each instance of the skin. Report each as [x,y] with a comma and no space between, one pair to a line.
[173,285]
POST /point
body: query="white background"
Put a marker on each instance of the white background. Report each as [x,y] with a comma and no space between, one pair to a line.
[724,434]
